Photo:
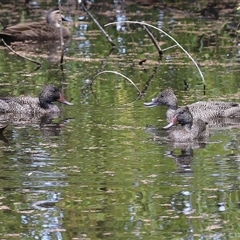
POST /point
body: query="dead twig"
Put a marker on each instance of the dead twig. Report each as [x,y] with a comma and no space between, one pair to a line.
[26,58]
[99,26]
[160,52]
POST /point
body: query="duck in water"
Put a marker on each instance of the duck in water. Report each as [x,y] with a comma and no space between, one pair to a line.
[190,130]
[37,31]
[33,105]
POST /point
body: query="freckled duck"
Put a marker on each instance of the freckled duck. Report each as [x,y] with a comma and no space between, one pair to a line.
[33,105]
[190,129]
[37,31]
[202,109]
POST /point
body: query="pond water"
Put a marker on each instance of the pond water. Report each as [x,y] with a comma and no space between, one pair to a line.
[104,169]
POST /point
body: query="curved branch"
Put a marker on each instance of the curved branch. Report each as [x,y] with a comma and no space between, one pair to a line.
[117,73]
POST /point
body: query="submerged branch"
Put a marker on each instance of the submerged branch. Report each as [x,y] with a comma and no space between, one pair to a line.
[117,73]
[26,58]
[160,30]
[99,26]
[155,69]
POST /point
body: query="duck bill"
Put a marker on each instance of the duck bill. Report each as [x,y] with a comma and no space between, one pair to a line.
[66,19]
[153,103]
[63,100]
[172,123]
[168,126]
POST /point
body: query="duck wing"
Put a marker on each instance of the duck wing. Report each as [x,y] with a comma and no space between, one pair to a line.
[213,109]
[25,31]
[21,27]
[215,105]
[18,104]
[21,100]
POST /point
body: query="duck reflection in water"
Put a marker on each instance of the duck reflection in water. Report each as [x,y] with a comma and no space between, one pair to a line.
[2,137]
[50,125]
[50,128]
[184,159]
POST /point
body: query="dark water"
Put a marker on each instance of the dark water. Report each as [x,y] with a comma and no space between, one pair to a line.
[104,169]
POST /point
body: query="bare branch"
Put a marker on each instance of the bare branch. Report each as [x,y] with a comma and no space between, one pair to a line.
[160,53]
[36,62]
[99,26]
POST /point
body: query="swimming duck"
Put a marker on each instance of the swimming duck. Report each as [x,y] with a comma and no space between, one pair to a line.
[202,109]
[37,31]
[190,129]
[33,105]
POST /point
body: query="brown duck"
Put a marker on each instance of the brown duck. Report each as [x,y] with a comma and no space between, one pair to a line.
[37,31]
[204,110]
[190,129]
[33,105]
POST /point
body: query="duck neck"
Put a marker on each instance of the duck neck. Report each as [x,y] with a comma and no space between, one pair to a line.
[173,104]
[188,126]
[43,103]
[173,107]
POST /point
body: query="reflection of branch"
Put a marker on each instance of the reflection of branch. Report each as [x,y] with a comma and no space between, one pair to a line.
[121,76]
[2,24]
[237,31]
[186,85]
[61,37]
[160,53]
[150,79]
[99,26]
[104,61]
[160,30]
[36,62]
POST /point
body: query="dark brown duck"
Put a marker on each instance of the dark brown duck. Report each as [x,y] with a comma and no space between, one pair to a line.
[202,109]
[33,105]
[37,31]
[190,129]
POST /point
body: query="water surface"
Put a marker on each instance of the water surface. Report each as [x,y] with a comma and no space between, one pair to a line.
[104,169]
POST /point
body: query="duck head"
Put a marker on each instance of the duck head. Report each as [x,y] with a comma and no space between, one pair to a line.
[182,116]
[50,93]
[166,98]
[54,17]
